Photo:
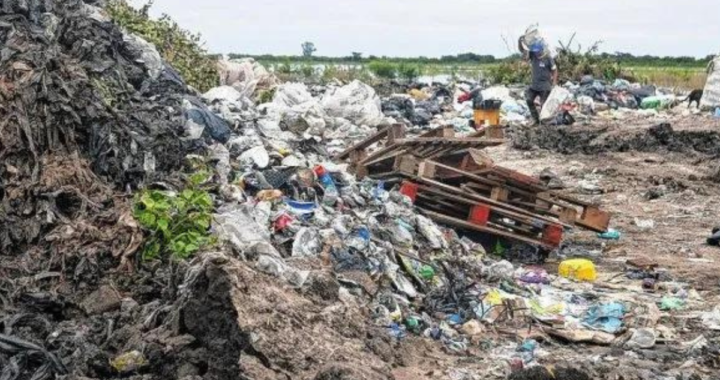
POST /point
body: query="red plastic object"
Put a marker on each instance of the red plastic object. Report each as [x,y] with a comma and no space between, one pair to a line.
[553,234]
[409,189]
[320,171]
[479,214]
[282,222]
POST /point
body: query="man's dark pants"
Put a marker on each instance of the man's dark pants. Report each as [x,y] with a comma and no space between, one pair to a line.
[530,96]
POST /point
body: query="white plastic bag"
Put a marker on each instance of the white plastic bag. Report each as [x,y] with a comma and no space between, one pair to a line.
[711,93]
[557,97]
[356,102]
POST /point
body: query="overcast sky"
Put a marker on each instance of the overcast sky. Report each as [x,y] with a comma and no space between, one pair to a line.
[443,27]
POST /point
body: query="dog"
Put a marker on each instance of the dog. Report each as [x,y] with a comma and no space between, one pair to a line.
[695,96]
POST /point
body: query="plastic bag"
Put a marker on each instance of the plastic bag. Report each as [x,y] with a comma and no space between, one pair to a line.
[237,227]
[277,267]
[246,76]
[146,54]
[356,102]
[711,93]
[605,317]
[557,97]
[223,93]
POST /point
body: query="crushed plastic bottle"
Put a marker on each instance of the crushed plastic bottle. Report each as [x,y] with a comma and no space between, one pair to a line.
[610,234]
[327,183]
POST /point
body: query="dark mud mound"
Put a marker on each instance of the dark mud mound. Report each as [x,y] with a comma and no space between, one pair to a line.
[247,326]
[74,97]
[588,140]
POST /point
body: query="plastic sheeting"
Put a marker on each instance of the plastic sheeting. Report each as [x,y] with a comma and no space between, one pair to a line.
[246,76]
[711,93]
[356,102]
[557,97]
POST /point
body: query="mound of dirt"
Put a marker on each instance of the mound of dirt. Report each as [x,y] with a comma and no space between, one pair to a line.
[595,140]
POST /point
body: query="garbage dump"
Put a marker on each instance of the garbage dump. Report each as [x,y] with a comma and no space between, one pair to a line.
[354,235]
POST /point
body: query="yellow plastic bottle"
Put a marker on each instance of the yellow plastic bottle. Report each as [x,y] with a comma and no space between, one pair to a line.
[578,269]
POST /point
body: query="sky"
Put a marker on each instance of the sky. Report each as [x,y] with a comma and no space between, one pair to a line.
[431,28]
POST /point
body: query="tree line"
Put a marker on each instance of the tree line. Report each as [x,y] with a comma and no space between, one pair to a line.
[626,59]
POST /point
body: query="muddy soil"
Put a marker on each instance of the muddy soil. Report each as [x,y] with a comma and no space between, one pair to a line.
[697,134]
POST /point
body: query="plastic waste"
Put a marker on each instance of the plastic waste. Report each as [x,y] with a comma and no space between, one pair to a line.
[605,317]
[214,126]
[657,102]
[360,239]
[535,276]
[146,54]
[431,232]
[356,102]
[300,209]
[129,362]
[427,272]
[237,226]
[401,235]
[277,267]
[610,234]
[711,319]
[225,94]
[717,113]
[500,270]
[711,92]
[642,338]
[258,156]
[671,303]
[454,319]
[245,75]
[645,224]
[714,238]
[557,97]
[307,243]
[331,192]
[578,269]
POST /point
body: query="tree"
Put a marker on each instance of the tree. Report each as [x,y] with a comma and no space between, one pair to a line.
[356,56]
[308,49]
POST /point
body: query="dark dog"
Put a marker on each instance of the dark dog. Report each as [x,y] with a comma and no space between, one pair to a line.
[694,96]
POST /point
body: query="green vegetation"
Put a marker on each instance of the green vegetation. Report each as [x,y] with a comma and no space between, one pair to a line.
[383,69]
[180,48]
[178,224]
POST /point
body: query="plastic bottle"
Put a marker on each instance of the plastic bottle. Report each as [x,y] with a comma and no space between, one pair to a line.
[331,191]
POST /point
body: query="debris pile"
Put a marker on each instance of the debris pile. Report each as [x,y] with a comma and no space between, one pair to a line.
[345,239]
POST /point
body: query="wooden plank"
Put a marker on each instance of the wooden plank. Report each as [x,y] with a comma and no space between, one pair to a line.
[463,173]
[379,153]
[508,209]
[496,207]
[395,132]
[364,144]
[427,169]
[494,231]
[451,140]
[594,219]
[499,194]
[446,131]
[384,157]
[406,164]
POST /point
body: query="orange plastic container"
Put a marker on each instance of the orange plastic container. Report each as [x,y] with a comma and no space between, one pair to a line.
[491,116]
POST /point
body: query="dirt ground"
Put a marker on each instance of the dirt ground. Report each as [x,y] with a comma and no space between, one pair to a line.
[669,188]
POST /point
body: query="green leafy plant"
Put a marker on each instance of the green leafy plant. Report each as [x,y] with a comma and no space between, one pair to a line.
[383,69]
[180,48]
[408,71]
[178,223]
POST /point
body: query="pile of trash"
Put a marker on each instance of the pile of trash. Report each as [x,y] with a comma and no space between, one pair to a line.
[315,274]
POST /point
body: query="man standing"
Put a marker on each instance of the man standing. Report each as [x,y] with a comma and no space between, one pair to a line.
[544,76]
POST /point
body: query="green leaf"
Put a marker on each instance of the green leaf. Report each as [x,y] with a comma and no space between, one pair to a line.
[163,224]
